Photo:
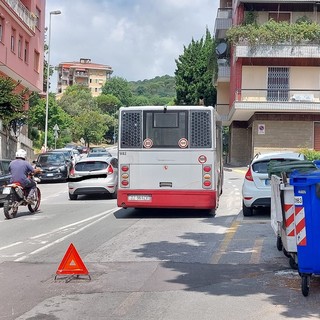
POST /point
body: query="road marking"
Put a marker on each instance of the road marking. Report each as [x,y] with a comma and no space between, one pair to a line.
[256,254]
[74,224]
[10,245]
[239,170]
[103,214]
[127,304]
[225,242]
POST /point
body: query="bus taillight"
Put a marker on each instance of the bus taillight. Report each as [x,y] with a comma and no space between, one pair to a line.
[124,175]
[125,183]
[207,183]
[206,176]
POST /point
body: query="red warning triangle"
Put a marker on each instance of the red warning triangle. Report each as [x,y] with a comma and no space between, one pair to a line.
[72,263]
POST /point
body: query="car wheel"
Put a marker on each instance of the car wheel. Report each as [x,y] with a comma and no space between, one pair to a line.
[247,211]
[114,194]
[73,196]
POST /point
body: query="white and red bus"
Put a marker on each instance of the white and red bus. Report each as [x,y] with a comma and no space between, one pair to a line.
[169,157]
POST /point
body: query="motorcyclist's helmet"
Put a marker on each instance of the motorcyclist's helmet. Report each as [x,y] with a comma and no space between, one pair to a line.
[21,154]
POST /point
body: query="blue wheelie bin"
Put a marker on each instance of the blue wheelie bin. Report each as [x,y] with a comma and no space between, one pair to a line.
[307,224]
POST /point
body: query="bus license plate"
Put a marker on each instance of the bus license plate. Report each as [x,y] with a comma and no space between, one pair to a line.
[139,197]
[6,190]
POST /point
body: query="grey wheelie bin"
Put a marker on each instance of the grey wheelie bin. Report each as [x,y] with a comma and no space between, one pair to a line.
[282,205]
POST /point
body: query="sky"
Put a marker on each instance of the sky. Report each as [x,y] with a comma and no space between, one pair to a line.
[139,39]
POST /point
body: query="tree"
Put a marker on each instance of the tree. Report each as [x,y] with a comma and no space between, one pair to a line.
[194,72]
[76,100]
[91,126]
[108,103]
[120,88]
[56,115]
[12,104]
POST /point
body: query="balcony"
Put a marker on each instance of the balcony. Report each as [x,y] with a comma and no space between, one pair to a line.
[223,22]
[223,71]
[24,14]
[81,74]
[249,101]
[306,50]
[275,95]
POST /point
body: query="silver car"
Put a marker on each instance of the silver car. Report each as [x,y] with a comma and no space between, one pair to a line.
[95,175]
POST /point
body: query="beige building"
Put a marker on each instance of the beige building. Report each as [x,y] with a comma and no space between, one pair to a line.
[268,94]
[84,72]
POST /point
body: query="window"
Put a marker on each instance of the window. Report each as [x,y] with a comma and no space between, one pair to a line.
[13,39]
[278,84]
[38,15]
[165,129]
[20,47]
[36,61]
[1,29]
[26,52]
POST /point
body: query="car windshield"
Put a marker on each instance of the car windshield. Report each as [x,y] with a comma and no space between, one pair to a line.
[91,166]
[99,154]
[67,153]
[54,158]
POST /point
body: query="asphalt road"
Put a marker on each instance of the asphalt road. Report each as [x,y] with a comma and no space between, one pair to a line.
[148,264]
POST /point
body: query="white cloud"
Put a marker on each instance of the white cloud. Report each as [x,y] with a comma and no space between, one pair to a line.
[139,39]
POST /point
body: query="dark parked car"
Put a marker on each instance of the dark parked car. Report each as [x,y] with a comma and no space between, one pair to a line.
[55,166]
[4,176]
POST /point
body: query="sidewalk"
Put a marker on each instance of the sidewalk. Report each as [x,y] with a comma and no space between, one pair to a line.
[229,167]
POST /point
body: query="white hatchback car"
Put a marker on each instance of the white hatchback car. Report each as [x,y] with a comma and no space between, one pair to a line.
[256,189]
[95,175]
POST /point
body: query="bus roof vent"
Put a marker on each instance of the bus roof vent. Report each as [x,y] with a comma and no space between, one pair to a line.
[200,132]
[131,135]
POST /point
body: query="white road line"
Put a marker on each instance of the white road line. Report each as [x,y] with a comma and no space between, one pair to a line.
[10,245]
[73,224]
[105,214]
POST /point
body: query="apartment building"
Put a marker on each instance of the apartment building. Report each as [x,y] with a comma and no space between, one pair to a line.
[268,88]
[84,72]
[22,28]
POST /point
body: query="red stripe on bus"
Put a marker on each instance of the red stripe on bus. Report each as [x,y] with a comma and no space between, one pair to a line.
[184,199]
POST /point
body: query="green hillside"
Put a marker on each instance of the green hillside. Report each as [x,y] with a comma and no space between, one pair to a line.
[163,86]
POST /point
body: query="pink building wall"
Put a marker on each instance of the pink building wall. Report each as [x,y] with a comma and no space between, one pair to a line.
[19,20]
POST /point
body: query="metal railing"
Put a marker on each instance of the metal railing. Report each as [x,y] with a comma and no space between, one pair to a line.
[278,95]
[24,14]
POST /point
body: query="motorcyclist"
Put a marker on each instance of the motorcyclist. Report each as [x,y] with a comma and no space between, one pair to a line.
[20,169]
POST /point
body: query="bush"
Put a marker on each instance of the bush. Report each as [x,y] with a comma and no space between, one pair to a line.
[310,154]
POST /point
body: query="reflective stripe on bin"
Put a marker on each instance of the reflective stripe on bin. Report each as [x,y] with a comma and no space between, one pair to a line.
[289,215]
[300,226]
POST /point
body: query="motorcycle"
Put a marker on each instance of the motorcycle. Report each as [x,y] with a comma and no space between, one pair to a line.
[16,195]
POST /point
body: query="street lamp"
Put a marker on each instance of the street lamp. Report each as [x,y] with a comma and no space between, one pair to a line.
[48,80]
[114,125]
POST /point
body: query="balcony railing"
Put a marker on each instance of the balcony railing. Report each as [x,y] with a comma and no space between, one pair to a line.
[306,50]
[24,14]
[275,95]
[78,74]
[223,22]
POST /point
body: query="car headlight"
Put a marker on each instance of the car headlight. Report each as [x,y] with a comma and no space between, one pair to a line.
[62,168]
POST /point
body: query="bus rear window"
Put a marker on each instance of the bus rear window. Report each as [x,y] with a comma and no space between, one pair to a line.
[165,129]
[165,120]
